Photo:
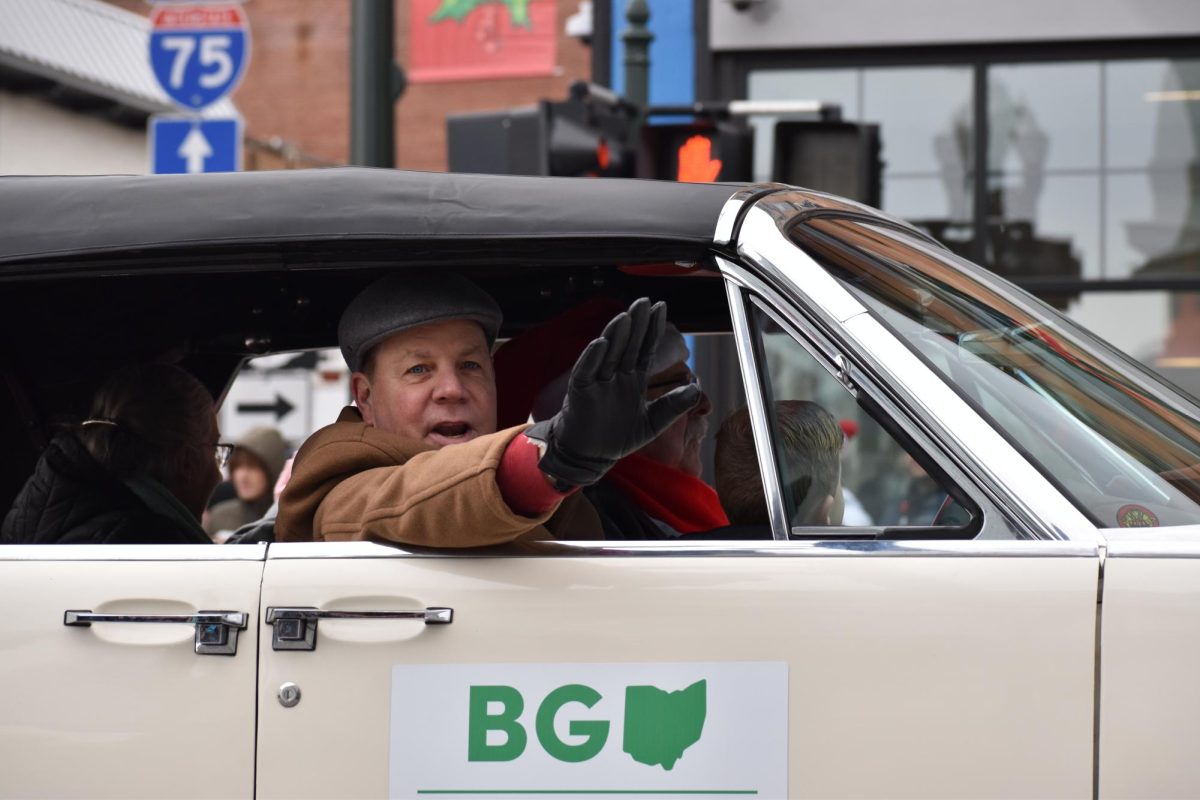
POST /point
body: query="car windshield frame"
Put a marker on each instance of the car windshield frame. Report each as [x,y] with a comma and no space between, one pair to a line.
[1120,443]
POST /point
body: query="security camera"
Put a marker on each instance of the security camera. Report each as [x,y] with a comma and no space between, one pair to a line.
[743,5]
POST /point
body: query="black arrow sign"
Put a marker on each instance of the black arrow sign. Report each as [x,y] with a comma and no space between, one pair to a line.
[280,408]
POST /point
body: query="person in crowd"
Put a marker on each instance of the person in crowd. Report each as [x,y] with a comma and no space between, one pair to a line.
[418,459]
[138,470]
[263,529]
[810,441]
[653,493]
[258,457]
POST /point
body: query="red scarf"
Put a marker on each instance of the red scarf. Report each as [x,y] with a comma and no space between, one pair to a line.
[683,501]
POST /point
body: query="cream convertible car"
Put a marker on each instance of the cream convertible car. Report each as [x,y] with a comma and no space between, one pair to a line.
[1010,609]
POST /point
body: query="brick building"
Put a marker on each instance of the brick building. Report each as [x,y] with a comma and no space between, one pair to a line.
[296,93]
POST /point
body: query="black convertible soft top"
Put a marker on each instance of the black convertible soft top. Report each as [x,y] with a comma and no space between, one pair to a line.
[49,219]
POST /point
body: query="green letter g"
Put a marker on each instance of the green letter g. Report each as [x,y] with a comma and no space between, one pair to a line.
[595,730]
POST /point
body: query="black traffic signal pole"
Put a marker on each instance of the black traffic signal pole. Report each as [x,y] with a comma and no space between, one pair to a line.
[637,38]
[374,80]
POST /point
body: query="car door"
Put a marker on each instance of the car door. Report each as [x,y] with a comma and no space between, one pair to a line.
[828,671]
[1149,700]
[128,671]
[829,664]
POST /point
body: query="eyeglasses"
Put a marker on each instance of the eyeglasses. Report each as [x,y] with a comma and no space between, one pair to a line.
[223,452]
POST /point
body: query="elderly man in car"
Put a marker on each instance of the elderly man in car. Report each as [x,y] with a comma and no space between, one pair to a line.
[418,459]
[653,493]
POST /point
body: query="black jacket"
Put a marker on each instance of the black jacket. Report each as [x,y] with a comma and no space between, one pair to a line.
[71,499]
[620,518]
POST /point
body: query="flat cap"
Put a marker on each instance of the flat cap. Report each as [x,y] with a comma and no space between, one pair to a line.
[409,299]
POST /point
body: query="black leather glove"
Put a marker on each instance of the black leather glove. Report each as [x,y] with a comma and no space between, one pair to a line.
[605,415]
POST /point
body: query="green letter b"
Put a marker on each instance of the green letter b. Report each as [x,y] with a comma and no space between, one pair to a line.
[480,722]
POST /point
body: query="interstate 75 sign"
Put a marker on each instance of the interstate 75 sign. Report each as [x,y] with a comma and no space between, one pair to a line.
[198,52]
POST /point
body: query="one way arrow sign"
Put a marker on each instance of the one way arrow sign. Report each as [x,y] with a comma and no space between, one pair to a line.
[282,400]
[190,145]
[194,150]
[280,408]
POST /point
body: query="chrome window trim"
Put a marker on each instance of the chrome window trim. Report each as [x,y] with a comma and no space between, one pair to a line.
[760,241]
[956,548]
[727,220]
[1004,475]
[827,355]
[133,552]
[1025,490]
[744,340]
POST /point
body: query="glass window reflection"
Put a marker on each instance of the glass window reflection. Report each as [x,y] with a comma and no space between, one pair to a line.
[924,117]
[1044,117]
[1152,113]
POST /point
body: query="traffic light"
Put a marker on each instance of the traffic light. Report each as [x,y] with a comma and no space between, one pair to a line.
[840,158]
[590,134]
[704,151]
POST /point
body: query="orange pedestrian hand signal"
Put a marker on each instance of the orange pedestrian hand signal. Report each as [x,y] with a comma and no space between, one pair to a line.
[603,155]
[696,164]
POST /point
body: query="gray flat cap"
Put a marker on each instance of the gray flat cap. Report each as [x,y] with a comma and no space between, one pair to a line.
[405,300]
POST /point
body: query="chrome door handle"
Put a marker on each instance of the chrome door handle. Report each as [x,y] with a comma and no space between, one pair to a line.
[216,631]
[295,628]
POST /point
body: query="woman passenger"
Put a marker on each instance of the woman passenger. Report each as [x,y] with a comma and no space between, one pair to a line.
[138,470]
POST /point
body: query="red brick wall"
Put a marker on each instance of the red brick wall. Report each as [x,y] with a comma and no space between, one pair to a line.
[297,87]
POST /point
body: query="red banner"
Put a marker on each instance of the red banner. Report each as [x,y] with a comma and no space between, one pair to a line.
[454,40]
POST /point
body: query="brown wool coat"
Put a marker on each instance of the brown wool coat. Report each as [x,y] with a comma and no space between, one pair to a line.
[352,481]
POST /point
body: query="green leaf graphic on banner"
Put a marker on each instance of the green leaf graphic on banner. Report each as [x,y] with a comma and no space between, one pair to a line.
[457,10]
[660,725]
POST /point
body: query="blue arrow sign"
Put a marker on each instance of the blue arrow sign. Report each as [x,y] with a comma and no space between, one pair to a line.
[185,145]
[198,52]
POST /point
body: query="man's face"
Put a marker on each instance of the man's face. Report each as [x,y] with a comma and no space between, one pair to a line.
[679,445]
[433,383]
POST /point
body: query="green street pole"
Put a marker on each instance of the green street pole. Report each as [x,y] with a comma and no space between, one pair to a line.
[637,38]
[372,64]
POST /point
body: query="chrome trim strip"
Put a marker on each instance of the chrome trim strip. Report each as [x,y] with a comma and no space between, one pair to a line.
[1184,544]
[133,552]
[759,425]
[959,548]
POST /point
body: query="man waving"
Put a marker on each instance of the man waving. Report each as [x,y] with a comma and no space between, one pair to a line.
[418,460]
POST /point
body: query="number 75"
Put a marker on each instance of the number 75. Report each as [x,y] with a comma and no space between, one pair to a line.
[214,50]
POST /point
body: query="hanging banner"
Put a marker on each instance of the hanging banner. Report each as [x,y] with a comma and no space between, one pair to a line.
[455,40]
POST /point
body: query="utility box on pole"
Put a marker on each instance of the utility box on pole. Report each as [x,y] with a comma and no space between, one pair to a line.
[589,134]
[840,158]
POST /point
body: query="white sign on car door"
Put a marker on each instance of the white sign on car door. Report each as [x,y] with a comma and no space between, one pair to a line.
[634,730]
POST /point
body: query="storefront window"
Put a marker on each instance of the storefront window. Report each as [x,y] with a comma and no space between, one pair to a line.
[1090,168]
[1093,175]
[1152,158]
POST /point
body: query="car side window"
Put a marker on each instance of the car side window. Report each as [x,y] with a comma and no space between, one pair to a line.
[837,465]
